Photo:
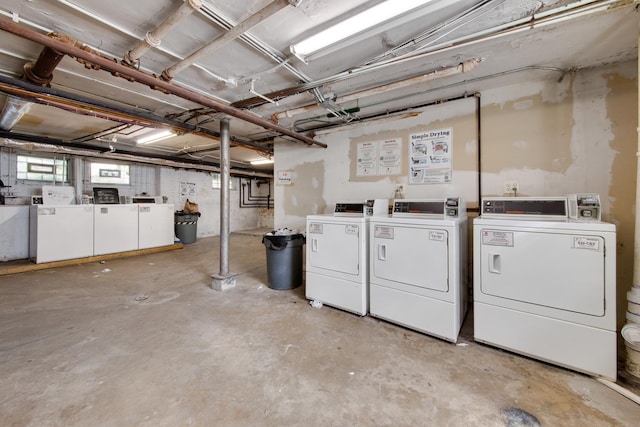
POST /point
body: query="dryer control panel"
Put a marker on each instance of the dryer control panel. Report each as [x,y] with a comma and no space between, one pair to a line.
[372,207]
[452,207]
[349,209]
[525,207]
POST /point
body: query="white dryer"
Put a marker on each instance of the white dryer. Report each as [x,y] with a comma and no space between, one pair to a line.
[418,266]
[337,255]
[545,284]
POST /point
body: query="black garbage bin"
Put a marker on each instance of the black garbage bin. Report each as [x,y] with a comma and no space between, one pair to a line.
[186,226]
[284,259]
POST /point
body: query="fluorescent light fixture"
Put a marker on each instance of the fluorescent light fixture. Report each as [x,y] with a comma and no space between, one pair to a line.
[262,162]
[367,19]
[155,137]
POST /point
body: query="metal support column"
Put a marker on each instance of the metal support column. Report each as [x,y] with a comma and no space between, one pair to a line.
[224,279]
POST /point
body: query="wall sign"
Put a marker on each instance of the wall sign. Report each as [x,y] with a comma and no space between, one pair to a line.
[284,178]
[430,157]
[379,158]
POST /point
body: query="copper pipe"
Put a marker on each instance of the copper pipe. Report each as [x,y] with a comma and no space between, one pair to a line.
[95,61]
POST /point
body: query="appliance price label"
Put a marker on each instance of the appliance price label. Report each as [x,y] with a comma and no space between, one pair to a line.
[351,229]
[47,211]
[438,236]
[586,243]
[497,238]
[315,228]
[383,232]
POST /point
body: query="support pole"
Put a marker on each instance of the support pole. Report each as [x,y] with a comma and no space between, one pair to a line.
[224,196]
[224,280]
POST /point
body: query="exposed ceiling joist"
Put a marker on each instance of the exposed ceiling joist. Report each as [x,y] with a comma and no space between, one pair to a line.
[96,61]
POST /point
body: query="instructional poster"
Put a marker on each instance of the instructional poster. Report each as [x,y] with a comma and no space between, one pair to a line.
[379,157]
[367,162]
[430,157]
[390,156]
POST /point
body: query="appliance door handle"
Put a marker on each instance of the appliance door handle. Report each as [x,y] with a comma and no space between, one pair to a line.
[314,245]
[382,252]
[495,263]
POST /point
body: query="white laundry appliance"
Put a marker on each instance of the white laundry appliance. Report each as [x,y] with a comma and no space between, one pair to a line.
[14,232]
[60,232]
[418,266]
[155,225]
[337,255]
[115,228]
[545,281]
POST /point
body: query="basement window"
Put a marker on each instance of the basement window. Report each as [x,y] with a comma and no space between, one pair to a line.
[110,173]
[45,169]
[216,183]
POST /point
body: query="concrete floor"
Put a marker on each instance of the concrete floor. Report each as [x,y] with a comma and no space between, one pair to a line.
[145,341]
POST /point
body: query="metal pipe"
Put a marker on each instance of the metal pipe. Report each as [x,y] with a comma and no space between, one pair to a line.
[132,74]
[223,40]
[224,197]
[479,146]
[82,105]
[99,153]
[553,16]
[444,72]
[39,73]
[154,38]
[112,25]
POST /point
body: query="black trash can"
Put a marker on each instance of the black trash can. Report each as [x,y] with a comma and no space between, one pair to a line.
[186,226]
[284,259]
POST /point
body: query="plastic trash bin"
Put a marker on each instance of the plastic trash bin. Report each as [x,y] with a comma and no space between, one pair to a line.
[186,227]
[284,259]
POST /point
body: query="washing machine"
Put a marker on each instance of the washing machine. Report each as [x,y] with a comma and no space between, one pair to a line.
[60,232]
[418,266]
[155,225]
[337,255]
[545,281]
[115,228]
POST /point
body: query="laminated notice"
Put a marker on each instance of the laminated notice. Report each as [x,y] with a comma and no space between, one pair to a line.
[586,243]
[438,236]
[497,238]
[383,232]
[315,228]
[351,229]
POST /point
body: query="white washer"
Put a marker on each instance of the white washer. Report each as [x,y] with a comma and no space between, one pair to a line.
[115,228]
[337,255]
[418,266]
[60,232]
[545,285]
[155,225]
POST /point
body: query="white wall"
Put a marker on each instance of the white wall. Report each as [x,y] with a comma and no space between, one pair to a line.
[208,200]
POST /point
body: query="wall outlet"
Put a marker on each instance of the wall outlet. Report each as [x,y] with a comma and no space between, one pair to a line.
[511,187]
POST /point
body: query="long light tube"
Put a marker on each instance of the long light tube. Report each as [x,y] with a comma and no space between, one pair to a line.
[354,25]
[165,134]
[261,162]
